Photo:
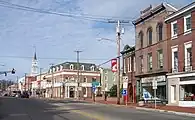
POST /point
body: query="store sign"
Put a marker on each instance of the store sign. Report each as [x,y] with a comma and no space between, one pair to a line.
[150,79]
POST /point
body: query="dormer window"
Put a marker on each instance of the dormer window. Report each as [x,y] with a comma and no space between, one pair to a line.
[50,71]
[57,68]
[61,67]
[82,67]
[71,66]
[92,68]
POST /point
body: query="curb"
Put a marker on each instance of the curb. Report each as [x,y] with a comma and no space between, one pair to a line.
[166,111]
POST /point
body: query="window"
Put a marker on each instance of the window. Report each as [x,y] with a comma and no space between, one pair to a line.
[149,61]
[71,67]
[187,92]
[150,36]
[105,78]
[160,31]
[174,58]
[84,79]
[188,56]
[82,67]
[142,63]
[160,58]
[61,67]
[141,36]
[174,29]
[134,65]
[129,64]
[54,69]
[187,23]
[57,68]
[92,68]
[124,63]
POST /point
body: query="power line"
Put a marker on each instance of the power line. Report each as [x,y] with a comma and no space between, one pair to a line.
[30,9]
[27,57]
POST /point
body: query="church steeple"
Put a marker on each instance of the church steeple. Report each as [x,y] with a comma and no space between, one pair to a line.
[35,56]
[34,68]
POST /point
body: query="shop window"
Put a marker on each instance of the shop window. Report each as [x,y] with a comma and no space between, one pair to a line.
[187,92]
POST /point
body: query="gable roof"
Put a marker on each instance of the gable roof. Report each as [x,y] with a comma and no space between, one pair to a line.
[181,11]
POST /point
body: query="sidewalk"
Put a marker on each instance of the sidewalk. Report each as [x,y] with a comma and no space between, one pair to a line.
[188,111]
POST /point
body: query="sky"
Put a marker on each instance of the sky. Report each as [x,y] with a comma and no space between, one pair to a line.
[57,36]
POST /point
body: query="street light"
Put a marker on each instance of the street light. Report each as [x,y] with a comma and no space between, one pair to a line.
[106,39]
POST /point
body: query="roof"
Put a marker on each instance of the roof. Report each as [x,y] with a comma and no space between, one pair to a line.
[67,65]
[128,49]
[181,11]
[151,11]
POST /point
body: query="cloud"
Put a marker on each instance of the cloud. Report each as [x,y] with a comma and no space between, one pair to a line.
[58,36]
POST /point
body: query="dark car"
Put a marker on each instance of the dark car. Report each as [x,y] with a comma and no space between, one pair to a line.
[25,95]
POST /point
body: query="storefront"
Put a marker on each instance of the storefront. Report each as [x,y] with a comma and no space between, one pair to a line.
[182,90]
[147,88]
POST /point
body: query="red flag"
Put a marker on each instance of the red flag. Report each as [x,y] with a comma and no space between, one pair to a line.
[114,65]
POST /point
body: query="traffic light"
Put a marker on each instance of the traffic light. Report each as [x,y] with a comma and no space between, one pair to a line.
[5,73]
[13,71]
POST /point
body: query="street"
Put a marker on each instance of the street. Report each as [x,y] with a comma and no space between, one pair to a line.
[36,109]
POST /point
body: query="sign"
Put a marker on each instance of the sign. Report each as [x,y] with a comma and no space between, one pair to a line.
[114,65]
[150,79]
[124,92]
[125,82]
[154,84]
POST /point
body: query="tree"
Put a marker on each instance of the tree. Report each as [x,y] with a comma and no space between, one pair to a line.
[113,91]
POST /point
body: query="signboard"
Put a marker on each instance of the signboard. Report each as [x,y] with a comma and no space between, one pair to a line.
[154,84]
[114,65]
[124,92]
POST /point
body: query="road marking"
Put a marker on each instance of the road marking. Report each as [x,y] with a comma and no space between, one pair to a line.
[18,114]
[90,115]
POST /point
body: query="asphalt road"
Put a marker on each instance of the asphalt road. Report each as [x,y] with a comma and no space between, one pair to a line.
[33,109]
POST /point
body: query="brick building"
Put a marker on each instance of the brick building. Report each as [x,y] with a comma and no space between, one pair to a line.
[129,68]
[151,51]
[181,34]
[65,79]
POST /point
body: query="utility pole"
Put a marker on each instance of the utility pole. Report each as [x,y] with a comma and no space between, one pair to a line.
[78,77]
[17,83]
[52,80]
[118,37]
[25,81]
[40,81]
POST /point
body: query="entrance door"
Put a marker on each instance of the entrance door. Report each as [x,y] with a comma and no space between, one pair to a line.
[173,93]
[71,92]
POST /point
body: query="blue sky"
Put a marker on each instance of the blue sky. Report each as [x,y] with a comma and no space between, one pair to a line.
[58,36]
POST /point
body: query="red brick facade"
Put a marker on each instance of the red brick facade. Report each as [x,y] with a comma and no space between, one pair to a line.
[180,40]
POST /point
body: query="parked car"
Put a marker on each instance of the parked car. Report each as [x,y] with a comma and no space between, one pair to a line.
[25,95]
